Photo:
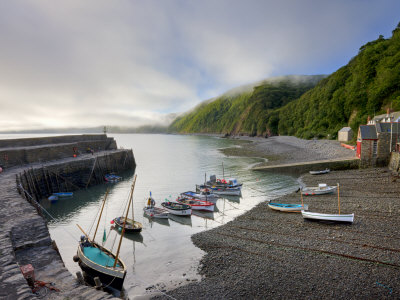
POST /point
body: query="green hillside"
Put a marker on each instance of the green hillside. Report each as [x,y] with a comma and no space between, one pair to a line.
[244,112]
[367,85]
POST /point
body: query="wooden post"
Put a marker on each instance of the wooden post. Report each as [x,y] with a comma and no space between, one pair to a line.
[338,198]
[80,277]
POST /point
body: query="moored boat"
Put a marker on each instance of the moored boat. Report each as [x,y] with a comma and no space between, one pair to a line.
[112,178]
[205,194]
[151,211]
[177,209]
[196,204]
[64,194]
[233,191]
[287,207]
[130,224]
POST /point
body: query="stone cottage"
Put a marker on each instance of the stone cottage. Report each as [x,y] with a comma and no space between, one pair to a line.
[345,134]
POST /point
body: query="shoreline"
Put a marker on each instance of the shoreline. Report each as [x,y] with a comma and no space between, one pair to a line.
[269,254]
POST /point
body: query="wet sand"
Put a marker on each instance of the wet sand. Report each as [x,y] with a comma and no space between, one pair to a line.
[272,255]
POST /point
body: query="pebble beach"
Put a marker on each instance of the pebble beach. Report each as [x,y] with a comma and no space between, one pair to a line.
[265,254]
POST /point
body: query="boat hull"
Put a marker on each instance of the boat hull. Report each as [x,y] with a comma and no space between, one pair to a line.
[343,218]
[320,172]
[156,212]
[130,226]
[177,209]
[108,276]
[225,191]
[287,207]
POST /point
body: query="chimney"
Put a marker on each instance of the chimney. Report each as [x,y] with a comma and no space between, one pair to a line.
[388,112]
[368,120]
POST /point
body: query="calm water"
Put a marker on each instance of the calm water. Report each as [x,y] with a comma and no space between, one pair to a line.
[166,165]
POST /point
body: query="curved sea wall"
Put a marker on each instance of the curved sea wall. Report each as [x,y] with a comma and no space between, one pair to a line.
[24,235]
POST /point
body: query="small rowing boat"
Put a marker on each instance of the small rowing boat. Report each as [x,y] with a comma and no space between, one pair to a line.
[321,189]
[320,172]
[196,204]
[178,209]
[287,207]
[344,218]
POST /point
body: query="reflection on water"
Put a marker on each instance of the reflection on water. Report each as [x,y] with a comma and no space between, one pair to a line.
[166,165]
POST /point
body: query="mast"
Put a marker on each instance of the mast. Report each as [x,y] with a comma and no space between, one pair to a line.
[123,228]
[101,212]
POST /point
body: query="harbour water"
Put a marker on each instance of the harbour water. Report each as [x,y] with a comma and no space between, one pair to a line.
[162,256]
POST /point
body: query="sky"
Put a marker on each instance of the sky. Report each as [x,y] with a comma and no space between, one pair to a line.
[71,63]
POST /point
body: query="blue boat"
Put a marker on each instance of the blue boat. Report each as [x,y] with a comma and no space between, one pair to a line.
[53,198]
[63,194]
[112,178]
[286,207]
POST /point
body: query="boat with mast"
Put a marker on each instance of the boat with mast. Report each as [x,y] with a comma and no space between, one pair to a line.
[129,224]
[98,261]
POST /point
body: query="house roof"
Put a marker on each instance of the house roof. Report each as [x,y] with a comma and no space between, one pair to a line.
[345,129]
[394,115]
[368,132]
[388,127]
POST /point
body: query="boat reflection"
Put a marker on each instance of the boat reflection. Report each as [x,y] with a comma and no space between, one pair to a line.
[161,221]
[203,214]
[185,220]
[133,236]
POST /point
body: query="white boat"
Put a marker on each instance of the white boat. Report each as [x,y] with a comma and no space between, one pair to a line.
[346,218]
[151,211]
[287,207]
[205,194]
[320,172]
[233,191]
[177,209]
[321,189]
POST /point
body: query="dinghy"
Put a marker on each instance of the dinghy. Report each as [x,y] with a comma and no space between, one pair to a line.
[204,194]
[287,207]
[345,218]
[64,194]
[151,211]
[320,172]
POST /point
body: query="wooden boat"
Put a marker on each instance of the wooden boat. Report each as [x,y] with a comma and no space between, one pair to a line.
[196,204]
[321,189]
[342,218]
[151,211]
[205,194]
[64,194]
[287,207]
[97,261]
[177,209]
[129,223]
[320,172]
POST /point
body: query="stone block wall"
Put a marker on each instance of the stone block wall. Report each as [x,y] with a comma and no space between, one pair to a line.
[394,163]
[44,151]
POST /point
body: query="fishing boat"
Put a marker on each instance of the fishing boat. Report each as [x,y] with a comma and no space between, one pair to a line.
[151,211]
[98,261]
[321,189]
[129,224]
[320,172]
[205,194]
[64,194]
[196,204]
[177,209]
[287,207]
[342,218]
[232,191]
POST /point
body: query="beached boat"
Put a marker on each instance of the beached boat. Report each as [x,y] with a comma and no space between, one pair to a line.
[196,204]
[287,207]
[321,189]
[151,211]
[320,172]
[177,209]
[205,194]
[343,218]
[97,261]
[64,194]
[346,218]
[129,223]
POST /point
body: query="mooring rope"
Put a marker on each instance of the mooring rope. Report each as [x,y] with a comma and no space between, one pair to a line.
[42,208]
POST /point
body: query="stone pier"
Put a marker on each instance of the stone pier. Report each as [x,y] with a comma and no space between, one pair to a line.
[24,236]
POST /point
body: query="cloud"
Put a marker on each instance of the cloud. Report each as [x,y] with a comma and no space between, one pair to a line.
[130,63]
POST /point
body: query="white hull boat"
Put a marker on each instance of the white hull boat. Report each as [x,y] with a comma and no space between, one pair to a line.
[177,209]
[321,189]
[201,195]
[345,218]
[320,172]
[287,207]
[226,191]
[156,212]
